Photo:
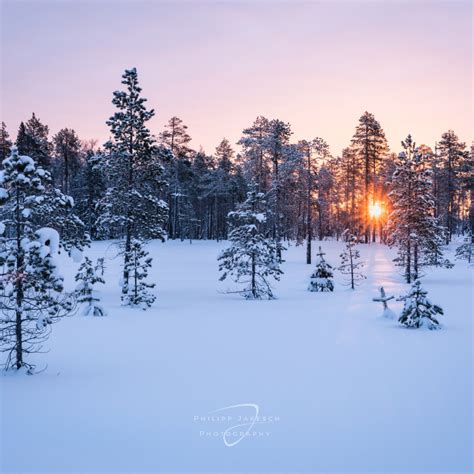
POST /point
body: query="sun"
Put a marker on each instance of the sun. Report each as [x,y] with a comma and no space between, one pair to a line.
[375,210]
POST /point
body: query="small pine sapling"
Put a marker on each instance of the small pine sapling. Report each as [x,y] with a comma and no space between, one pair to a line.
[252,258]
[349,262]
[135,289]
[383,298]
[418,311]
[321,279]
[87,277]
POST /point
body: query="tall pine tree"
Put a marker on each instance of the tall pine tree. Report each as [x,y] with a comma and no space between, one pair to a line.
[135,176]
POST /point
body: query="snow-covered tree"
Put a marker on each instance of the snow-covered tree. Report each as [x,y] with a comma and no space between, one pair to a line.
[466,250]
[453,154]
[31,289]
[136,289]
[418,311]
[90,186]
[412,226]
[256,167]
[252,259]
[321,279]
[313,153]
[87,277]
[132,206]
[349,262]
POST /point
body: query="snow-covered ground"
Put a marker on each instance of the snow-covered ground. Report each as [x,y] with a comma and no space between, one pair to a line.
[337,387]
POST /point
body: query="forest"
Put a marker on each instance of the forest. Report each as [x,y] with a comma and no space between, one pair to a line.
[260,194]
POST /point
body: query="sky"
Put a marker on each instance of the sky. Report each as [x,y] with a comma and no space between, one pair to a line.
[219,64]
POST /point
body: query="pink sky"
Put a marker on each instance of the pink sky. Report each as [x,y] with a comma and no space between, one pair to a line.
[217,65]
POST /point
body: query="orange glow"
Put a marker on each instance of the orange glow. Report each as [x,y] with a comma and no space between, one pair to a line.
[375,210]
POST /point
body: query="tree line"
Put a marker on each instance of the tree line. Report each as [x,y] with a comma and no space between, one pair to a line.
[62,192]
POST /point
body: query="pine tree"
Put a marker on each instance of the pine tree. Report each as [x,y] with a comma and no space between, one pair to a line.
[131,206]
[254,158]
[349,261]
[90,187]
[412,226]
[31,290]
[176,138]
[277,144]
[87,276]
[350,179]
[5,142]
[452,153]
[136,289]
[466,250]
[371,147]
[418,311]
[32,141]
[67,147]
[313,152]
[321,279]
[252,258]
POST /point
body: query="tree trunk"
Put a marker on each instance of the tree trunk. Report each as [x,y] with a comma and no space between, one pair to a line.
[19,286]
[309,219]
[254,283]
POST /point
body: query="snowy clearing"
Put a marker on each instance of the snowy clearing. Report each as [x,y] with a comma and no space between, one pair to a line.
[338,387]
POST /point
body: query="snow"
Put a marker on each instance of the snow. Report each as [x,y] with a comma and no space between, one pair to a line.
[348,391]
[49,239]
[3,194]
[76,254]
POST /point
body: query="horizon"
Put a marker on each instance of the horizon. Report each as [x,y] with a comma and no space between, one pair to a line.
[318,72]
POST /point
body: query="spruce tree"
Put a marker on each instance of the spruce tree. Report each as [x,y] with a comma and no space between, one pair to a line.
[131,205]
[321,279]
[418,311]
[136,289]
[349,262]
[87,277]
[31,290]
[252,258]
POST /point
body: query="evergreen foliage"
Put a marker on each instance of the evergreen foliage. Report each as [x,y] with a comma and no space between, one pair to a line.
[321,279]
[31,289]
[252,258]
[87,277]
[418,311]
[349,262]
